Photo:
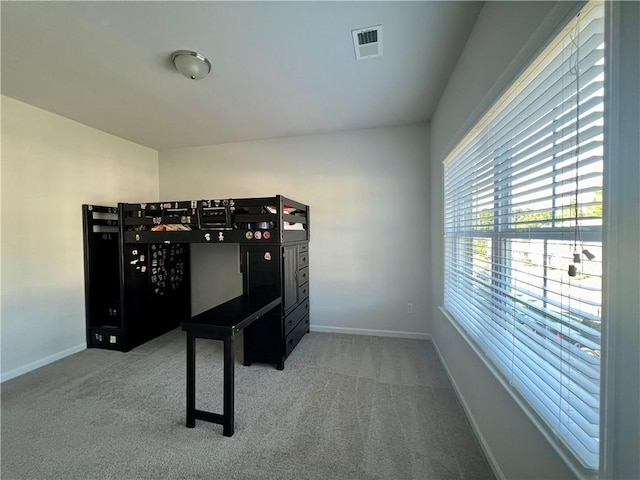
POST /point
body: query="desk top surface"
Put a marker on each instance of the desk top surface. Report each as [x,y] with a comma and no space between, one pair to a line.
[230,316]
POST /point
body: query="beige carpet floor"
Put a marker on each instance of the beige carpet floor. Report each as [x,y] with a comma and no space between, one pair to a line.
[344,407]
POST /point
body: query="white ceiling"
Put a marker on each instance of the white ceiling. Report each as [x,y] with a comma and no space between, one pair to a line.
[279,68]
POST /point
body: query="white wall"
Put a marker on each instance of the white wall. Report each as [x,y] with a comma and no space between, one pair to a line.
[367,191]
[215,274]
[505,37]
[50,167]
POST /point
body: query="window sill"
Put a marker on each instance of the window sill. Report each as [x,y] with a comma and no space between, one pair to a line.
[574,465]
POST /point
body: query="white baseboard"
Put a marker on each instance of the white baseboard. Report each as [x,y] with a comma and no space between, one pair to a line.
[476,429]
[16,372]
[369,331]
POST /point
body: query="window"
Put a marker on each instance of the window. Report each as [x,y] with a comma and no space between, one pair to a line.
[523,233]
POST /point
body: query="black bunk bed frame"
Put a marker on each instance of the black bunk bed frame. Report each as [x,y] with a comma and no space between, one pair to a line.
[137,278]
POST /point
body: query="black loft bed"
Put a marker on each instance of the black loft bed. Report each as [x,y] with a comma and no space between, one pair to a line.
[137,275]
[247,221]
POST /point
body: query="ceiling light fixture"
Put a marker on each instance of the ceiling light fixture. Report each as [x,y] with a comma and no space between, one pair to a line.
[191,64]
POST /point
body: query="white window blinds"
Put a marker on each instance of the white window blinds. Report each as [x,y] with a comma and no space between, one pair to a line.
[523,232]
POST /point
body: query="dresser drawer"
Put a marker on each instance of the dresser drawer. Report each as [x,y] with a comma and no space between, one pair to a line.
[303,292]
[303,248]
[303,275]
[294,337]
[291,320]
[303,259]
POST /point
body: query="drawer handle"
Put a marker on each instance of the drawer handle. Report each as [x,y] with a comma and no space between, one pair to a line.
[304,259]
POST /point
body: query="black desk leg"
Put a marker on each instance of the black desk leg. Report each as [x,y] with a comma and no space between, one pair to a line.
[229,365]
[191,380]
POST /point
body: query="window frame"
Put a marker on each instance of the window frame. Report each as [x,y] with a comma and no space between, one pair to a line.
[499,237]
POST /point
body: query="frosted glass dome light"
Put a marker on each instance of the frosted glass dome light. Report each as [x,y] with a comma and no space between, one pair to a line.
[191,64]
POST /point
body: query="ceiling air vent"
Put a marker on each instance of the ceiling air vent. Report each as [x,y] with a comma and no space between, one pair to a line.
[367,42]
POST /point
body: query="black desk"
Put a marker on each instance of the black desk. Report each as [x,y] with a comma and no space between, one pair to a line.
[221,323]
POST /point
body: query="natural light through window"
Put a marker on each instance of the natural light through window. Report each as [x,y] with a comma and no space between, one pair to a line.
[523,234]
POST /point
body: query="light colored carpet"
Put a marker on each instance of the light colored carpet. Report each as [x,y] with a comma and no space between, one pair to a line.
[345,407]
